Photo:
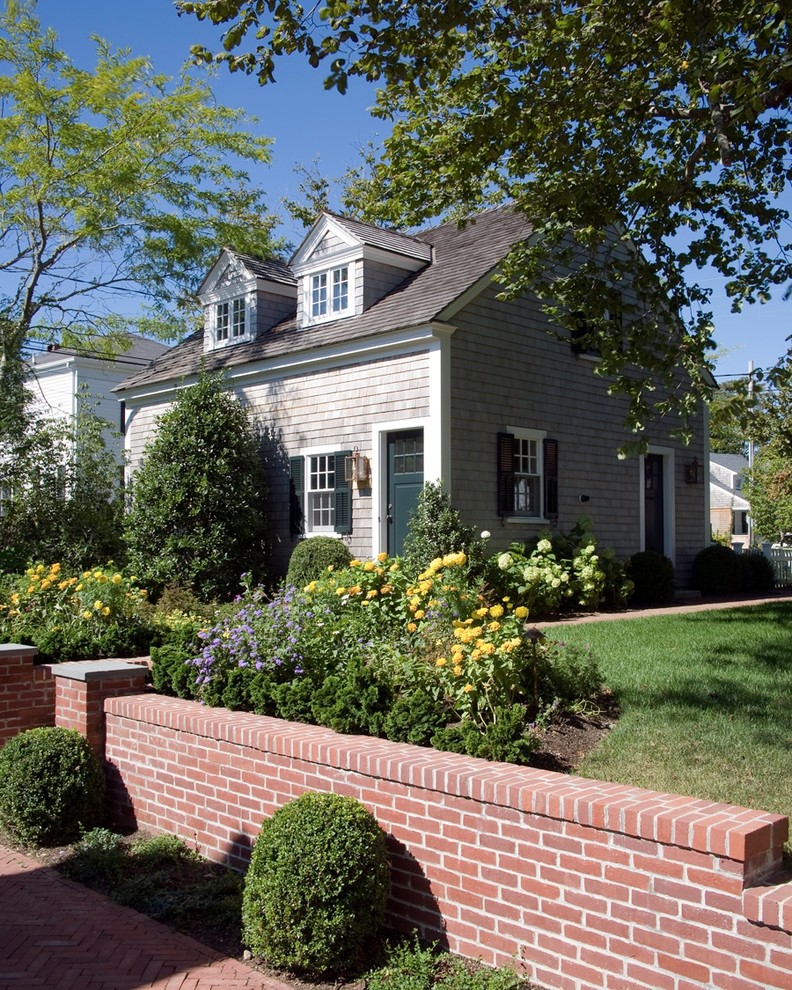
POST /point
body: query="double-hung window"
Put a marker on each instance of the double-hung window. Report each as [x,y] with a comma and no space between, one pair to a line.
[321,495]
[230,320]
[330,293]
[527,475]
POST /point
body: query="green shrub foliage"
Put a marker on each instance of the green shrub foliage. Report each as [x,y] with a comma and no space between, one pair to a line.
[436,529]
[317,884]
[51,786]
[717,571]
[196,512]
[311,558]
[756,571]
[652,575]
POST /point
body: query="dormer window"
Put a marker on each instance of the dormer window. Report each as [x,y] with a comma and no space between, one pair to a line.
[230,320]
[330,293]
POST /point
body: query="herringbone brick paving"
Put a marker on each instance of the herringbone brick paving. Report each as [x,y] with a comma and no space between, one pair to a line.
[58,935]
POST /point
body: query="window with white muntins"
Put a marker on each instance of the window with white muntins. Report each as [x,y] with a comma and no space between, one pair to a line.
[330,293]
[230,320]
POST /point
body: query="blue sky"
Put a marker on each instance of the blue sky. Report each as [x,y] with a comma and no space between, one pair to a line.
[307,122]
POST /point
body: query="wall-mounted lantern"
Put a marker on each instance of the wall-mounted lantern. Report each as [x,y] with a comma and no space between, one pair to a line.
[694,473]
[357,469]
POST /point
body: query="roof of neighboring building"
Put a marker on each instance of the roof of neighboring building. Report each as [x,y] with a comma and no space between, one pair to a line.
[141,352]
[461,256]
[732,462]
[723,497]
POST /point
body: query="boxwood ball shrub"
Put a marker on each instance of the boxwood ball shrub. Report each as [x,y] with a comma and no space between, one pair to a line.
[717,571]
[317,884]
[52,786]
[652,575]
[311,558]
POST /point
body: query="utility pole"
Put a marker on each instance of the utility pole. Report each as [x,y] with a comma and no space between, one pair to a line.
[750,440]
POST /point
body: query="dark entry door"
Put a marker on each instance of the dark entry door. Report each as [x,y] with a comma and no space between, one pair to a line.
[654,510]
[405,480]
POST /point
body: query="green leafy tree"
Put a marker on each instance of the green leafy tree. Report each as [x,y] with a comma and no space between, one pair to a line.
[196,506]
[768,487]
[61,491]
[114,183]
[651,137]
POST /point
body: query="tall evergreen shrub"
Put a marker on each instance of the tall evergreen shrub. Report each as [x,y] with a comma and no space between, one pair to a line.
[197,502]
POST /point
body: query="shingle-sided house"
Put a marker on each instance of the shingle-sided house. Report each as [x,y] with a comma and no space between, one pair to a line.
[376,361]
[729,509]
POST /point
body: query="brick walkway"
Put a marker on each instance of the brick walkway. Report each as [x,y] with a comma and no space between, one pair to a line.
[58,934]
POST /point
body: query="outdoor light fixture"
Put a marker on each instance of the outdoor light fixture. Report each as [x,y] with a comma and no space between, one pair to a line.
[356,468]
[694,472]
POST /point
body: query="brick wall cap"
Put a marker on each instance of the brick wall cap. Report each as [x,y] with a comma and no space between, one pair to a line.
[99,670]
[17,649]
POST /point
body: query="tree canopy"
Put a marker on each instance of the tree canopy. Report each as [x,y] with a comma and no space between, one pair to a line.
[654,136]
[117,189]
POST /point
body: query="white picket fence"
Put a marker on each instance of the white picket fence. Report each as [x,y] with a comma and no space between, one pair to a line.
[781,559]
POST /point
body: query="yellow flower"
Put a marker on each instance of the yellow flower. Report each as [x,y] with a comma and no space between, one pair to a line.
[494,626]
[411,627]
[420,613]
[143,593]
[55,568]
[468,688]
[106,610]
[386,589]
[354,563]
[481,612]
[521,611]
[372,593]
[39,569]
[369,565]
[45,584]
[496,611]
[436,564]
[117,579]
[441,662]
[310,587]
[393,568]
[31,589]
[63,585]
[79,587]
[98,605]
[382,557]
[86,614]
[458,670]
[355,589]
[340,591]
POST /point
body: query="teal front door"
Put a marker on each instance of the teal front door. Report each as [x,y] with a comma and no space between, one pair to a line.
[405,481]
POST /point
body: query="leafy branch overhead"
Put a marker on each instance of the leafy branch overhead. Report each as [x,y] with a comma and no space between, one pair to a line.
[115,184]
[653,135]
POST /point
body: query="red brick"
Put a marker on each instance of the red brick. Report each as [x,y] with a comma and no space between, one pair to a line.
[765,975]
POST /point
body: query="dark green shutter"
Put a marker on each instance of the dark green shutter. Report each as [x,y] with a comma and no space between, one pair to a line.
[343,494]
[550,463]
[296,492]
[505,474]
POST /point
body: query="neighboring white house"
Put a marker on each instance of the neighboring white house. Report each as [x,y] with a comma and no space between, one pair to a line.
[729,509]
[59,374]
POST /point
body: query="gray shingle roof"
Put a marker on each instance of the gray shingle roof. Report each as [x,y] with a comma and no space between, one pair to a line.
[460,258]
[273,268]
[388,240]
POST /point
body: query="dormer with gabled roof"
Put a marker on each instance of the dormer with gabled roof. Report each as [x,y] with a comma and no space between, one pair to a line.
[243,297]
[344,266]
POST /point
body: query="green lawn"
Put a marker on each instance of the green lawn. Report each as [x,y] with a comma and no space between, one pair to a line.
[706,703]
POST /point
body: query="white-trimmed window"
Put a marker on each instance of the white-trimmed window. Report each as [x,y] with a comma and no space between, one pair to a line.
[320,514]
[230,320]
[527,474]
[321,495]
[329,293]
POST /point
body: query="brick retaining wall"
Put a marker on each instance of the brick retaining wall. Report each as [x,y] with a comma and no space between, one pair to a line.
[580,884]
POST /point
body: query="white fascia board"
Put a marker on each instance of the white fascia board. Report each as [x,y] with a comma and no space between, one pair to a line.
[229,291]
[407,262]
[404,341]
[322,225]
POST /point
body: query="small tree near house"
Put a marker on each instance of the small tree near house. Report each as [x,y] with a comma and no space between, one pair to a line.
[196,510]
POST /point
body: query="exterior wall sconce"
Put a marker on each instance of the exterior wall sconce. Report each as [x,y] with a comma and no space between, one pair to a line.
[357,469]
[694,473]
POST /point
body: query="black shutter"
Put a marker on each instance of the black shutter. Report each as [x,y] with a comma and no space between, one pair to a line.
[343,494]
[122,418]
[505,474]
[550,460]
[296,492]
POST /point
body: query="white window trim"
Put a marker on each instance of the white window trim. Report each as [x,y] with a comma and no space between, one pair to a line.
[308,290]
[520,433]
[246,299]
[306,454]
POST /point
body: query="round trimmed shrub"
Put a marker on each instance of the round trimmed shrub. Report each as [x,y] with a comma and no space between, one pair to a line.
[717,571]
[652,575]
[317,884]
[51,786]
[311,558]
[757,571]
